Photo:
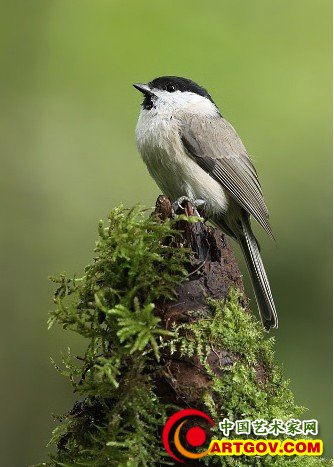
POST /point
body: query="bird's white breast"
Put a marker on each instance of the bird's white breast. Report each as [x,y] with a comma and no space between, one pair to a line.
[176,174]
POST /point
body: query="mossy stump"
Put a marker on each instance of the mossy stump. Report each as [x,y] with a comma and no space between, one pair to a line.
[163,312]
[212,273]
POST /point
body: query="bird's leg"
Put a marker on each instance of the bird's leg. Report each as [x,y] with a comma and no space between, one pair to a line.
[178,205]
[199,205]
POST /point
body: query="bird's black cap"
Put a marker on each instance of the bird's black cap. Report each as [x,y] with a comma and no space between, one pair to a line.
[176,83]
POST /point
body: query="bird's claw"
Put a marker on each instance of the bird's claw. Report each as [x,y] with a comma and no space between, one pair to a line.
[178,205]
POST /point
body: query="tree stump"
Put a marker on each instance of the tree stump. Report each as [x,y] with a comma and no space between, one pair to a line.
[212,272]
[217,359]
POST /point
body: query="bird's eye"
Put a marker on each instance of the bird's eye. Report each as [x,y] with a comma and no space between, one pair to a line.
[170,87]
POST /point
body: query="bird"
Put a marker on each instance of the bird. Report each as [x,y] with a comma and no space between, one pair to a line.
[193,153]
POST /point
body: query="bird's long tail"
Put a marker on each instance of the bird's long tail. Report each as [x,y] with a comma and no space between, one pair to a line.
[258,276]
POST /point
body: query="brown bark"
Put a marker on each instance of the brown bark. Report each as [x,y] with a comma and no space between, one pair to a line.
[212,272]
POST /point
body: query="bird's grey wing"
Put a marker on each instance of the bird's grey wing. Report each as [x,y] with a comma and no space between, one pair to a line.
[215,146]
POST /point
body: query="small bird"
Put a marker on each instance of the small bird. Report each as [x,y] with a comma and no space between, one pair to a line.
[194,153]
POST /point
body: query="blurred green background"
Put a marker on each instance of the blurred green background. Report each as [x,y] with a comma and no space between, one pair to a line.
[68,156]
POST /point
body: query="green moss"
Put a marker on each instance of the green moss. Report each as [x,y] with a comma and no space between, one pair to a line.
[239,392]
[119,416]
[252,386]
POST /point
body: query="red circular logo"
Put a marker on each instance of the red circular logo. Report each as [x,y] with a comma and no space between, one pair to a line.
[195,436]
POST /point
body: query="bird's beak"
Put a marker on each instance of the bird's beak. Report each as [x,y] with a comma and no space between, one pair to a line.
[144,88]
